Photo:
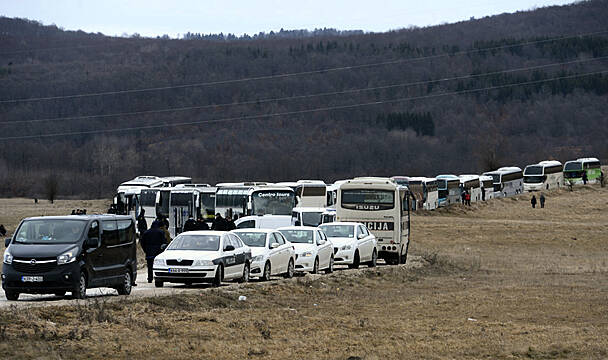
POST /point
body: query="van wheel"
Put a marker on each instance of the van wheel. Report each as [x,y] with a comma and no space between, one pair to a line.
[158,283]
[315,267]
[219,276]
[374,259]
[80,291]
[60,293]
[266,274]
[11,295]
[356,261]
[245,277]
[125,287]
[330,268]
[290,270]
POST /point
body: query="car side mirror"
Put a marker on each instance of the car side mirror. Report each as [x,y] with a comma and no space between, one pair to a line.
[322,242]
[7,241]
[274,245]
[91,243]
[229,248]
[360,236]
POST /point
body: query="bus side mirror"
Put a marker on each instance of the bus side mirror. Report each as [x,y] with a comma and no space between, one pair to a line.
[7,242]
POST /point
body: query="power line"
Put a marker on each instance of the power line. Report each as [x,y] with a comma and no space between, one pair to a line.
[299,112]
[307,96]
[294,74]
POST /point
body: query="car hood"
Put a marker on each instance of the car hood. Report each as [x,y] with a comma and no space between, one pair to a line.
[39,250]
[189,255]
[300,247]
[339,241]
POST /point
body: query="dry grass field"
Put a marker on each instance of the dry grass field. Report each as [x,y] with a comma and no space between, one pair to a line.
[499,280]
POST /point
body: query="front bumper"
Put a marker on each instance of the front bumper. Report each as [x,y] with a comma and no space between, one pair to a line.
[194,274]
[304,264]
[342,257]
[255,268]
[60,278]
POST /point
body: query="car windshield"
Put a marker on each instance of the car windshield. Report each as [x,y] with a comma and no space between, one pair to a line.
[46,231]
[299,236]
[311,218]
[253,239]
[195,242]
[339,230]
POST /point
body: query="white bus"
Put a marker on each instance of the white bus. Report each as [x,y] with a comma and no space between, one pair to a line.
[311,193]
[268,204]
[332,194]
[545,175]
[401,180]
[471,184]
[126,199]
[448,187]
[231,198]
[384,207]
[424,190]
[508,181]
[487,187]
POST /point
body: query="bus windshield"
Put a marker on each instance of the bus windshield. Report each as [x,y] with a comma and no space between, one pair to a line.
[533,170]
[147,198]
[272,202]
[371,197]
[533,179]
[50,231]
[181,199]
[573,166]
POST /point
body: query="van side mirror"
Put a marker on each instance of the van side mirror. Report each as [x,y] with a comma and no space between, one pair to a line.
[229,248]
[7,241]
[91,243]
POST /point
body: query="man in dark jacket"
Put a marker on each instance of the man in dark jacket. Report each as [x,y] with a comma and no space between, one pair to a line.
[201,224]
[151,243]
[142,224]
[190,224]
[219,223]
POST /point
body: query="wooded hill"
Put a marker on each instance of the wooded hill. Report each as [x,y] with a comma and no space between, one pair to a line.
[408,102]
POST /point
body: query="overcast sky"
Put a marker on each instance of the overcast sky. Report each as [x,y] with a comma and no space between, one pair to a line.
[173,17]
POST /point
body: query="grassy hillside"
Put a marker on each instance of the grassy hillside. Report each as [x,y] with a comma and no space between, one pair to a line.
[409,125]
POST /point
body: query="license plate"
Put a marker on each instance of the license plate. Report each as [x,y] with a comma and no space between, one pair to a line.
[31,278]
[178,270]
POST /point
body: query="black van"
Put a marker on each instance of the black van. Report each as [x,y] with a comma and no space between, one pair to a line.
[59,254]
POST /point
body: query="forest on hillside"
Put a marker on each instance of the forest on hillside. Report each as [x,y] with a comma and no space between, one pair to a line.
[90,111]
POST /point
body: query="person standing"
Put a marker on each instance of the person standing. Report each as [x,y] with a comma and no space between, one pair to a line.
[533,201]
[151,243]
[585,178]
[219,223]
[142,224]
[190,224]
[201,224]
[467,198]
[542,200]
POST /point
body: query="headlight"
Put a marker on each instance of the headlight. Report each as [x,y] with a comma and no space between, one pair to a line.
[257,258]
[8,258]
[67,257]
[306,254]
[203,263]
[158,261]
[346,247]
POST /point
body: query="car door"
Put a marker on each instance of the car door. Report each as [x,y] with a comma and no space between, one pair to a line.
[324,250]
[110,256]
[281,255]
[239,254]
[229,257]
[286,249]
[369,241]
[94,262]
[363,244]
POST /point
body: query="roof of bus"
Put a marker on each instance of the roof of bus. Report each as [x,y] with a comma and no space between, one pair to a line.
[549,163]
[270,187]
[308,209]
[468,177]
[508,169]
[311,182]
[371,180]
[447,177]
[174,178]
[588,159]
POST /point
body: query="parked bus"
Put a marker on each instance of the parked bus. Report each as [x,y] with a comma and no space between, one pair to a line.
[126,199]
[545,175]
[471,184]
[424,190]
[487,187]
[183,203]
[448,187]
[270,200]
[171,181]
[401,180]
[573,170]
[384,208]
[207,199]
[332,194]
[231,198]
[311,193]
[508,181]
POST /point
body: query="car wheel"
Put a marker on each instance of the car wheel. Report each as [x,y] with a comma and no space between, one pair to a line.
[11,295]
[330,268]
[80,291]
[315,267]
[245,277]
[374,259]
[219,276]
[355,264]
[266,274]
[158,283]
[290,270]
[60,293]
[125,287]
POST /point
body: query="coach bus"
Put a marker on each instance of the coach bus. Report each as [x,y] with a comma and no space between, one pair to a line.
[311,193]
[384,207]
[545,175]
[270,200]
[508,181]
[448,187]
[471,184]
[231,198]
[573,170]
[424,190]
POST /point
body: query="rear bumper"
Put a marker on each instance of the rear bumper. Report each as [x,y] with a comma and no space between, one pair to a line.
[61,278]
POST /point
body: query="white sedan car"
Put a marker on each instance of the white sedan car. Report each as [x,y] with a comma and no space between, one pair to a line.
[203,256]
[353,243]
[314,251]
[271,253]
